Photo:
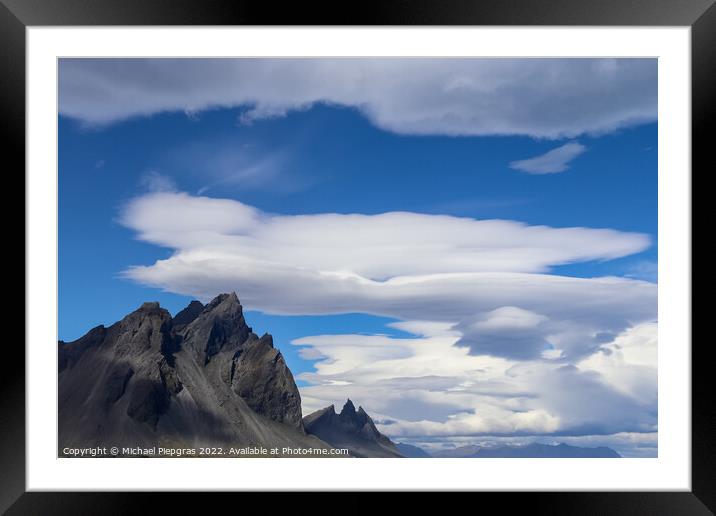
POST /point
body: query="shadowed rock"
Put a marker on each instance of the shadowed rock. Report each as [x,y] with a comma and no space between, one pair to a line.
[199,379]
[187,315]
[350,429]
[260,376]
[220,326]
[69,353]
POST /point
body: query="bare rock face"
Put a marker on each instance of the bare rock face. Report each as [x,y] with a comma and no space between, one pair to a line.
[350,429]
[119,362]
[219,327]
[69,354]
[251,366]
[186,316]
[202,377]
[260,376]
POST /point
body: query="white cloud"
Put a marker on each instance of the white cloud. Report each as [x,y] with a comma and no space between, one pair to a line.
[425,386]
[545,98]
[523,332]
[357,247]
[499,345]
[551,162]
[629,362]
[476,274]
[225,164]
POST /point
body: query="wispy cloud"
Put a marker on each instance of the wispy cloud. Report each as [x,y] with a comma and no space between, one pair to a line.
[644,270]
[155,182]
[229,165]
[544,98]
[551,162]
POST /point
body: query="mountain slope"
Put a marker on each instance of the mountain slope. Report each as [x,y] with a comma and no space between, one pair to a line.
[200,379]
[350,429]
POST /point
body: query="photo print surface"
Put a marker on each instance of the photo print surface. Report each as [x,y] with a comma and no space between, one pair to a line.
[357,257]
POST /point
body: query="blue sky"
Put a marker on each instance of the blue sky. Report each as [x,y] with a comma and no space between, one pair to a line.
[343,165]
[294,157]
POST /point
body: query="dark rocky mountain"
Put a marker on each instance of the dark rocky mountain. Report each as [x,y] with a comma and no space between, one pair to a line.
[533,451]
[186,316]
[412,452]
[350,429]
[201,378]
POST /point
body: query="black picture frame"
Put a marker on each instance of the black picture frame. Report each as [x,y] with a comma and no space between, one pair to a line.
[16,15]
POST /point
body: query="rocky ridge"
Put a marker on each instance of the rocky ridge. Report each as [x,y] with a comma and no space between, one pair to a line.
[201,378]
[352,429]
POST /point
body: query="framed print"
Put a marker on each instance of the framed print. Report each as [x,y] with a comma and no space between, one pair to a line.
[445,248]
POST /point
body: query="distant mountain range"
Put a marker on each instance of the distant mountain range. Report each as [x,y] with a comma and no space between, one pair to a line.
[203,379]
[533,450]
[412,452]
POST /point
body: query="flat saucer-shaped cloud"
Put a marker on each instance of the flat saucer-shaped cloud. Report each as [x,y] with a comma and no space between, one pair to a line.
[480,275]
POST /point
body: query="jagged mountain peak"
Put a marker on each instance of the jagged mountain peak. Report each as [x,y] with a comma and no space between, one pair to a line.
[220,326]
[147,329]
[348,409]
[328,412]
[202,374]
[150,319]
[226,301]
[147,309]
[350,429]
[187,315]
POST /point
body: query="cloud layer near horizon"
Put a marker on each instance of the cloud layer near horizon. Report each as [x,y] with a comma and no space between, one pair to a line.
[426,387]
[543,98]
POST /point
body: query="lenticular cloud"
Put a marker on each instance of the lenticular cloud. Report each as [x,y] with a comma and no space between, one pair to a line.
[371,247]
[484,277]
